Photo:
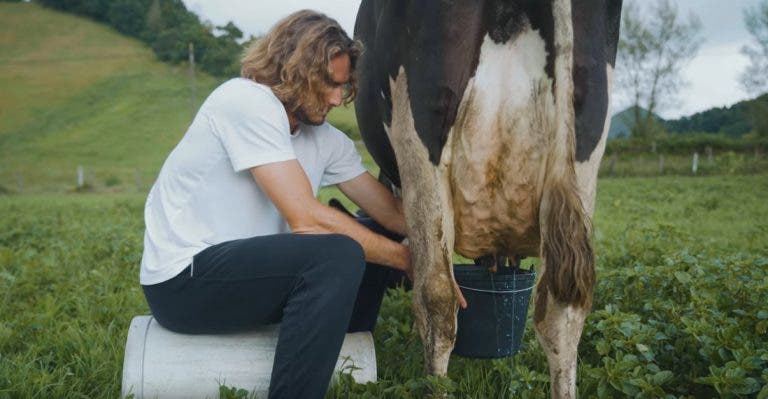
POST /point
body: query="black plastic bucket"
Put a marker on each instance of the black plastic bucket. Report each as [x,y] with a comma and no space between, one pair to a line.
[493,324]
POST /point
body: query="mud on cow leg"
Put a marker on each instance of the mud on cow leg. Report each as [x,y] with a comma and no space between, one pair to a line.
[435,301]
[558,328]
[564,291]
[434,307]
[429,213]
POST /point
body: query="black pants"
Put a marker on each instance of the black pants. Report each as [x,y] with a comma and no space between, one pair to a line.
[317,286]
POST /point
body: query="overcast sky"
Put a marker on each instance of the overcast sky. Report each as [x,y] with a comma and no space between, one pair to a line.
[712,74]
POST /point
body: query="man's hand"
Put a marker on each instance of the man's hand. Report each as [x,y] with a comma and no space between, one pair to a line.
[376,200]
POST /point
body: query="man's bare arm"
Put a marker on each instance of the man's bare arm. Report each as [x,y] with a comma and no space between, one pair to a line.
[286,184]
[377,201]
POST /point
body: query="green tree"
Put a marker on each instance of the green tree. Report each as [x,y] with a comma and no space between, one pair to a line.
[231,31]
[128,16]
[63,5]
[96,9]
[758,111]
[755,78]
[222,56]
[169,45]
[652,51]
[154,19]
[168,27]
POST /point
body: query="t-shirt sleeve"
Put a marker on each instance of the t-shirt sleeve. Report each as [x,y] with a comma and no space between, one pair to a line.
[343,161]
[252,128]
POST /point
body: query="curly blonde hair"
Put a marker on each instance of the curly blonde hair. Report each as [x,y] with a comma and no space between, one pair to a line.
[294,60]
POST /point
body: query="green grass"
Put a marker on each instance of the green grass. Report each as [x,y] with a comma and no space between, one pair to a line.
[67,292]
[719,214]
[682,281]
[345,120]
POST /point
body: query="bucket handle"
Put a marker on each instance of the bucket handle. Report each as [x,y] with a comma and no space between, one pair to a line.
[497,292]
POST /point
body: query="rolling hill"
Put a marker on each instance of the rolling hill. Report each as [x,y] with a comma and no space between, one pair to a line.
[78,93]
[622,122]
[734,121]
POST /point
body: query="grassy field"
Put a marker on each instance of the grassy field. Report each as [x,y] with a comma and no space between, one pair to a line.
[679,310]
[78,93]
[654,164]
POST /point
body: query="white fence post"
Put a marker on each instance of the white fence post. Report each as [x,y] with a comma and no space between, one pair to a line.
[19,182]
[80,176]
[695,166]
[138,180]
[661,164]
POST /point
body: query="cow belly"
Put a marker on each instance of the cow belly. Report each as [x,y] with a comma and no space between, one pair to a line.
[496,179]
[499,144]
[496,212]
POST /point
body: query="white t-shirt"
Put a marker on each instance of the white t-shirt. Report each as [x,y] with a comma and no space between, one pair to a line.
[205,193]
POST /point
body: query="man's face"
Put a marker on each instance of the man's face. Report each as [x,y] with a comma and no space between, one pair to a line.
[341,69]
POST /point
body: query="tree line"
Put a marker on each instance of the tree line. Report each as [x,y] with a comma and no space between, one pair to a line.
[734,121]
[168,28]
[656,44]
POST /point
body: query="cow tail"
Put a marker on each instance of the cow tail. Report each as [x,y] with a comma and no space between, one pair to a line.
[566,247]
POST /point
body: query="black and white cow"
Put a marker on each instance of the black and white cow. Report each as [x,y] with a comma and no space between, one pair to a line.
[491,115]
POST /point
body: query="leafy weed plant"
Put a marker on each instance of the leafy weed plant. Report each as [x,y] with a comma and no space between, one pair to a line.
[679,308]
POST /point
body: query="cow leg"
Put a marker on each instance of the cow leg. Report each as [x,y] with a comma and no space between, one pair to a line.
[564,291]
[434,301]
[558,328]
[559,325]
[428,209]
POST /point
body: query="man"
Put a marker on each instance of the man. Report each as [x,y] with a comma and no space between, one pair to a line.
[235,237]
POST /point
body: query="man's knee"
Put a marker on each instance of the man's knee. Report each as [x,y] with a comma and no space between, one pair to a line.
[343,256]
